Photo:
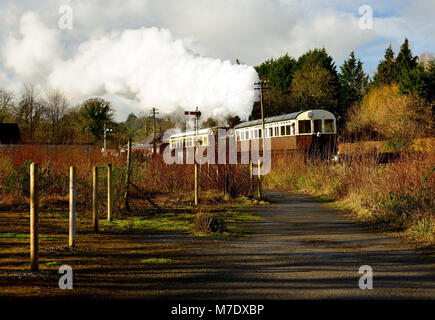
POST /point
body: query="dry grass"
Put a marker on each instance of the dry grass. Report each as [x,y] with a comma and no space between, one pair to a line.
[152,176]
[396,195]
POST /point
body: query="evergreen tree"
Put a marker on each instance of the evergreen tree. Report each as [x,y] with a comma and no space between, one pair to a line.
[414,81]
[385,73]
[430,82]
[353,82]
[405,62]
[281,72]
[318,57]
[264,68]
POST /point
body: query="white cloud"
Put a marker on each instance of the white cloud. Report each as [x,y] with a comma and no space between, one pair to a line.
[146,66]
[32,56]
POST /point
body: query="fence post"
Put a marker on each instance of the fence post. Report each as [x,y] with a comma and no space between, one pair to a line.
[34,217]
[225,179]
[259,180]
[196,185]
[250,171]
[95,198]
[227,183]
[72,206]
[109,192]
[127,177]
[250,175]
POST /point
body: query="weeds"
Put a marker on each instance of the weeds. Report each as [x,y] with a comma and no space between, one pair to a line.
[206,222]
[151,176]
[398,195]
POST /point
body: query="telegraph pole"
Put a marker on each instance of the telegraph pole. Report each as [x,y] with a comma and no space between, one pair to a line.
[262,86]
[105,138]
[197,114]
[153,110]
[105,144]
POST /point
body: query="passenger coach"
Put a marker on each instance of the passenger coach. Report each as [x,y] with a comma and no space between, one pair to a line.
[311,130]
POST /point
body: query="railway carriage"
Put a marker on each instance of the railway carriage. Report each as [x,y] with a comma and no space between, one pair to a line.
[187,139]
[310,130]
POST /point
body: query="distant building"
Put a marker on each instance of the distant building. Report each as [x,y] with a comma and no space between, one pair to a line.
[9,133]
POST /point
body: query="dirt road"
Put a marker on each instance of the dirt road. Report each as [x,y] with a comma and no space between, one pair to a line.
[300,249]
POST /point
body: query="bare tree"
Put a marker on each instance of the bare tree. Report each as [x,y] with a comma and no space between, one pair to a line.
[56,108]
[6,104]
[30,109]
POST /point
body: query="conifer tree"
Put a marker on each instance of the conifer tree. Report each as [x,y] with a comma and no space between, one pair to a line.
[353,82]
[385,73]
[405,62]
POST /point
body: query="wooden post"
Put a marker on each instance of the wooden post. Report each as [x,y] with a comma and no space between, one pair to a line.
[225,180]
[34,217]
[127,177]
[259,181]
[95,198]
[196,185]
[250,175]
[109,192]
[72,206]
[227,183]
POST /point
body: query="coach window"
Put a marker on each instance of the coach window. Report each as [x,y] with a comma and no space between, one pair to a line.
[304,126]
[317,126]
[247,135]
[329,125]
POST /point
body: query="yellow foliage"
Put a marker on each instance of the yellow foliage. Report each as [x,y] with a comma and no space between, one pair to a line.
[391,114]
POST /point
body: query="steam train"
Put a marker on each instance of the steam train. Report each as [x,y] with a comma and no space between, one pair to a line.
[314,131]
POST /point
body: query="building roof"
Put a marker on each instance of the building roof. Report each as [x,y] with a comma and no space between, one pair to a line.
[190,133]
[284,117]
[150,139]
[289,116]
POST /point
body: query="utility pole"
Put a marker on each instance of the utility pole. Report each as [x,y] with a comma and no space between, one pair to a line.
[262,86]
[127,177]
[197,114]
[105,139]
[153,110]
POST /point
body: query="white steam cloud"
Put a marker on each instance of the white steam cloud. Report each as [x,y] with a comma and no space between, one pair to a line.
[135,69]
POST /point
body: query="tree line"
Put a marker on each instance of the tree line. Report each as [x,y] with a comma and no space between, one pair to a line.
[402,84]
[312,81]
